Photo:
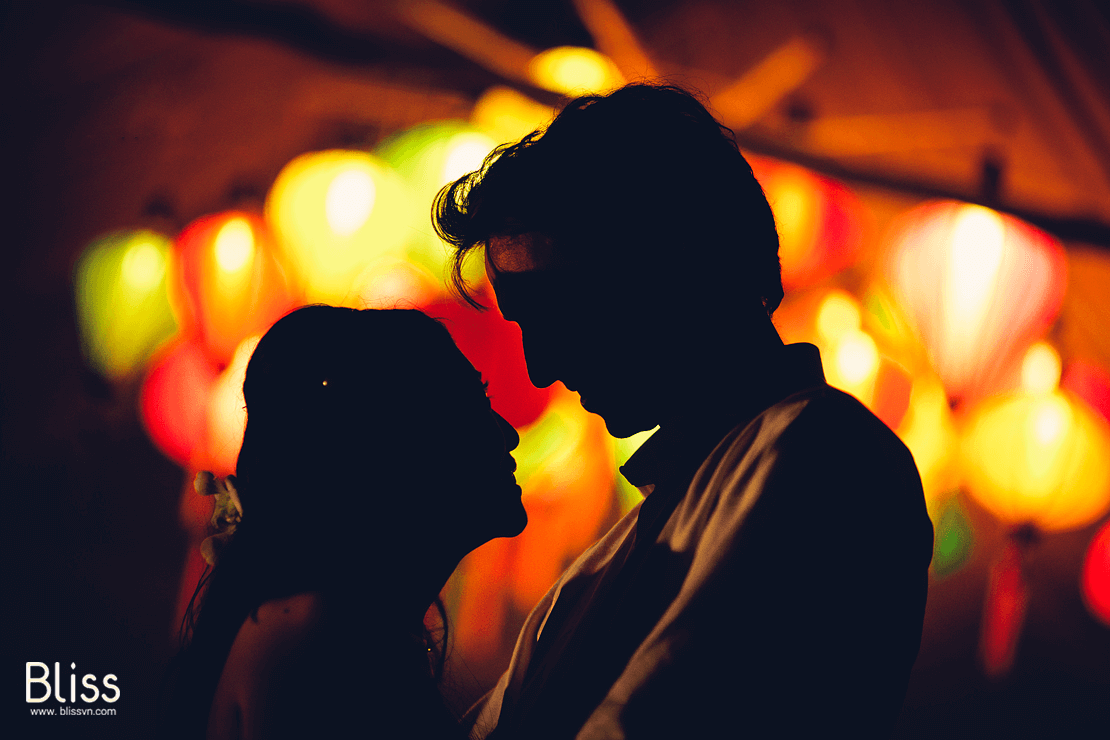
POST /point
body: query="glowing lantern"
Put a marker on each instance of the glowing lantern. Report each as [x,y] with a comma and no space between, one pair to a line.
[978,286]
[123,313]
[574,70]
[174,399]
[227,282]
[853,362]
[565,470]
[819,222]
[929,432]
[1096,575]
[508,115]
[1091,383]
[1039,459]
[226,417]
[334,214]
[428,157]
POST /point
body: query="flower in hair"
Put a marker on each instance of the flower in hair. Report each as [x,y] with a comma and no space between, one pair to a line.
[226,514]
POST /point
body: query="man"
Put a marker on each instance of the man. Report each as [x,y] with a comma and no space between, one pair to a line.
[773,580]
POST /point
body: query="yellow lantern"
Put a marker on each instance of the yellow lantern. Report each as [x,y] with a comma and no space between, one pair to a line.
[335,213]
[1040,459]
[427,157]
[977,286]
[574,70]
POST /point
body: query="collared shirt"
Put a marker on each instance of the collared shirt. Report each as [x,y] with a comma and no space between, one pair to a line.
[773,582]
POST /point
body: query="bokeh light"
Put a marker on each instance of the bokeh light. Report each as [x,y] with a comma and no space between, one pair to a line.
[820,222]
[1095,580]
[1040,459]
[173,401]
[226,412]
[227,283]
[123,312]
[978,287]
[334,213]
[1040,368]
[574,70]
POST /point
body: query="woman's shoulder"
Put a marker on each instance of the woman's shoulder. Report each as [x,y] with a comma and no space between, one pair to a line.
[264,648]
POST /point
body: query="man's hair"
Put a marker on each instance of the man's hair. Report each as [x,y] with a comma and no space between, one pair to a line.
[642,183]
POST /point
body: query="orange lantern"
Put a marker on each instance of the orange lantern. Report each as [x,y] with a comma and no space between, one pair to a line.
[1096,575]
[173,401]
[228,283]
[226,412]
[819,221]
[566,472]
[978,286]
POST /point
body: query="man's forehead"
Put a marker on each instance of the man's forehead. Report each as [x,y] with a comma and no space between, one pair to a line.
[521,252]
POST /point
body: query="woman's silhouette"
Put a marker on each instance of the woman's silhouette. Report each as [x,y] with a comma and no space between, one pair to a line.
[371,464]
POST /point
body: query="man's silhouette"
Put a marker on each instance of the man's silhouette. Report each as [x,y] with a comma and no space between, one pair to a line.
[773,581]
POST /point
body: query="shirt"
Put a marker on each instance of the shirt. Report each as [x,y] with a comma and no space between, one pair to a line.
[773,583]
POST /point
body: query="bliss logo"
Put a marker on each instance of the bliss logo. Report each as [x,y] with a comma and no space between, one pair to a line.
[88,681]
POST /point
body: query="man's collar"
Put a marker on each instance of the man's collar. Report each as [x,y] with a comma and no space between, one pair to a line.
[679,449]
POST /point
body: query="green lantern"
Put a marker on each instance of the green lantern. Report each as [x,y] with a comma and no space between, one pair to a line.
[123,311]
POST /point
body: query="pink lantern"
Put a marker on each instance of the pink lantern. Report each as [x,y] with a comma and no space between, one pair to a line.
[978,286]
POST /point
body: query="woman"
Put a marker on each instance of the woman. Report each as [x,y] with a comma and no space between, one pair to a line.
[371,464]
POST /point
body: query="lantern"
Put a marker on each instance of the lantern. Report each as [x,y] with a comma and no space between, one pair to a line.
[123,313]
[226,412]
[173,400]
[574,70]
[565,469]
[819,222]
[978,287]
[227,282]
[507,115]
[335,213]
[1095,583]
[428,157]
[1040,459]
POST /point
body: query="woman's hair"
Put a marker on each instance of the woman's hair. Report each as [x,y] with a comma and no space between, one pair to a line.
[336,401]
[643,183]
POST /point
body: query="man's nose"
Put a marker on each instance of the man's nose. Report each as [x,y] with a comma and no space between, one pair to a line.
[512,439]
[539,355]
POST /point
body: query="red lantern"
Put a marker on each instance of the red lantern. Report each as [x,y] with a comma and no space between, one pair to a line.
[1096,575]
[174,399]
[228,283]
[819,221]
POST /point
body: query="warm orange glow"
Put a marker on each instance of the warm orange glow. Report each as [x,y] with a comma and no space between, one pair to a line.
[226,417]
[574,70]
[1040,369]
[509,115]
[820,222]
[1040,459]
[838,314]
[978,286]
[335,213]
[227,283]
[930,434]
